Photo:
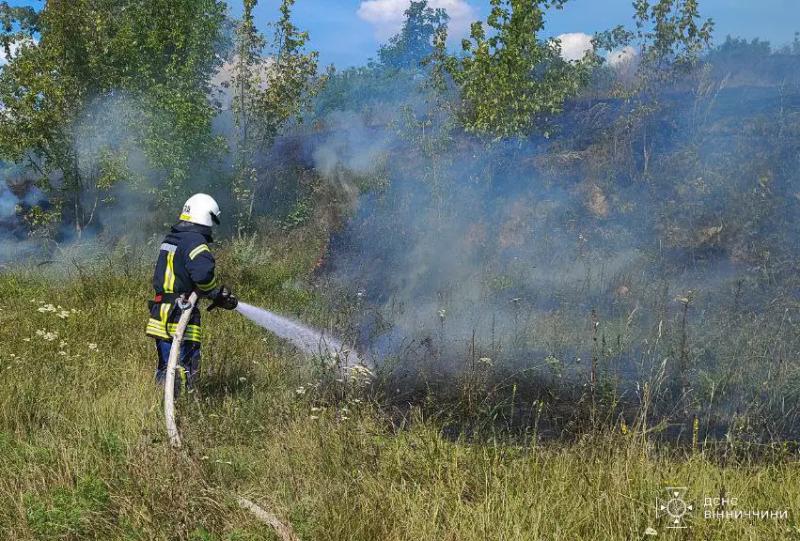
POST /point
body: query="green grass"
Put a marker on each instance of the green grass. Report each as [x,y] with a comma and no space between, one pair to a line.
[84,455]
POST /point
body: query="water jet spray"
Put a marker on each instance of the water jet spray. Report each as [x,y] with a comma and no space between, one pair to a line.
[308,340]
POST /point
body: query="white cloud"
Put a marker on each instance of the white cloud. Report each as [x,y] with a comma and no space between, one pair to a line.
[575,45]
[14,48]
[621,57]
[386,16]
[3,57]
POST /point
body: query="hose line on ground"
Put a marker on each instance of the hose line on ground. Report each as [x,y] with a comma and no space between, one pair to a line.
[283,530]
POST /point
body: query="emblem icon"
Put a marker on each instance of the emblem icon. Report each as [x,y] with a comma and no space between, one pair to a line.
[674,507]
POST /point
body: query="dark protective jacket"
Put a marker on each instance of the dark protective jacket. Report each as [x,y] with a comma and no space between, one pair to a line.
[184,264]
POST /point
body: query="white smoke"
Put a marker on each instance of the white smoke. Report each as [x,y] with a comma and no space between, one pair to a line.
[351,146]
[8,203]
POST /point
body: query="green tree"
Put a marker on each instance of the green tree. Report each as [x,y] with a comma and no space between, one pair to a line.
[280,89]
[249,64]
[792,48]
[157,57]
[512,81]
[669,37]
[415,41]
[17,24]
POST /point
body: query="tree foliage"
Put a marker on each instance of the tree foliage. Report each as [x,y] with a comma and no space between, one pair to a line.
[157,56]
[511,80]
[17,24]
[271,92]
[247,81]
[668,37]
[415,41]
[291,80]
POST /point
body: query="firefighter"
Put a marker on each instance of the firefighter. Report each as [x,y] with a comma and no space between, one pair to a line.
[186,264]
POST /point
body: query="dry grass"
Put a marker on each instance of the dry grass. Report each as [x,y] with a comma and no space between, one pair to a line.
[84,454]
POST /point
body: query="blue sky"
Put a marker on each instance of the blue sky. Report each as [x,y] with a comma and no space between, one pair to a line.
[345,38]
[348,32]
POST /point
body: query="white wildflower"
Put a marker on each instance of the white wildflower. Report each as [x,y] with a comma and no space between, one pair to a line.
[650,531]
[360,370]
[47,335]
[92,346]
[46,308]
[314,417]
[63,314]
[300,391]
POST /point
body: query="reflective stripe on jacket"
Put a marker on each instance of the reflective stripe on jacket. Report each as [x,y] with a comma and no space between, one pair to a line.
[184,264]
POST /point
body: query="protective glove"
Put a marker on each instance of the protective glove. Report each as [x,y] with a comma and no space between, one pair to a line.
[224,298]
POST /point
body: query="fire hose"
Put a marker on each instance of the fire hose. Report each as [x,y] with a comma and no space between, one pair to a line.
[283,530]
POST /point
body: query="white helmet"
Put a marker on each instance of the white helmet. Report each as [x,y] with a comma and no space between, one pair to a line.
[201,209]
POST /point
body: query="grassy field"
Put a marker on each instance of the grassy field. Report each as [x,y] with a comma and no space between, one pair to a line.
[84,455]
